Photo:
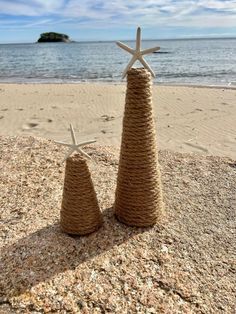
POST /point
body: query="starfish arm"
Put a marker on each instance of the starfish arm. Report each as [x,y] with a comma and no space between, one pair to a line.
[145,64]
[83,153]
[134,58]
[149,50]
[123,46]
[63,144]
[138,39]
[86,143]
[72,134]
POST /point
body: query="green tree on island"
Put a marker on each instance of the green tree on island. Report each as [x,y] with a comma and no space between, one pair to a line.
[53,37]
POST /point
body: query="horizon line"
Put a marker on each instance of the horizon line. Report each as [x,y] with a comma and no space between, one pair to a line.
[114,40]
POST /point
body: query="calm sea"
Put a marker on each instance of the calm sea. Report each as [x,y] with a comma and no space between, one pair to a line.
[199,61]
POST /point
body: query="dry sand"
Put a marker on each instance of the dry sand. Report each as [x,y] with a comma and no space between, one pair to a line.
[188,119]
[186,265]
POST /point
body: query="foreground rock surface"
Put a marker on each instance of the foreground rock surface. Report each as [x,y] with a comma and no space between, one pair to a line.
[185,265]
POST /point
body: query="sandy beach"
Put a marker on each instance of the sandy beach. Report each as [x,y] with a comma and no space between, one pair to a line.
[188,119]
[185,264]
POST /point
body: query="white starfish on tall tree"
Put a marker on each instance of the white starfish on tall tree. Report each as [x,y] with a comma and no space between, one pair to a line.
[137,54]
[75,146]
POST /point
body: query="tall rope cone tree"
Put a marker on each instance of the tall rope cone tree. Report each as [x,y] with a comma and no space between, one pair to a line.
[138,199]
[80,213]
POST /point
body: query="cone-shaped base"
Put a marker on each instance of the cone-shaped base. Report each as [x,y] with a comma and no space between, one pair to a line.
[139,193]
[80,213]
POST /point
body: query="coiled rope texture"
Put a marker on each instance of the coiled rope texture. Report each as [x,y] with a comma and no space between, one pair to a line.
[80,213]
[138,200]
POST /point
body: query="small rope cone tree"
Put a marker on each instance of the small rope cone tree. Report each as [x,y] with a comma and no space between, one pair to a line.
[138,199]
[80,213]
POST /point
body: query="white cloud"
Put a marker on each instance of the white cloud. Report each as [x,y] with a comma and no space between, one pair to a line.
[148,13]
[199,13]
[15,8]
[29,8]
[218,5]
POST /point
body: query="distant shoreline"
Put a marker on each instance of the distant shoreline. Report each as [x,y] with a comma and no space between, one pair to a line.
[129,40]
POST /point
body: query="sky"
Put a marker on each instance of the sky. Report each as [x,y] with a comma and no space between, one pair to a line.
[25,20]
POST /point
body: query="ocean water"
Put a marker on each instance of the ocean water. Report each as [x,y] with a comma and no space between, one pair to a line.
[199,61]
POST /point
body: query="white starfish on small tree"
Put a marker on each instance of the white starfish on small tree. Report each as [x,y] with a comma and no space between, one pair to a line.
[75,146]
[137,54]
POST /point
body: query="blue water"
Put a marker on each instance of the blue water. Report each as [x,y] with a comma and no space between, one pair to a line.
[199,61]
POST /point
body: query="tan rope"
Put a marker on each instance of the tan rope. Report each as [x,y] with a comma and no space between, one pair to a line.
[139,193]
[80,213]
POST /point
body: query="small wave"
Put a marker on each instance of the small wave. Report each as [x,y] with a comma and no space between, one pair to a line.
[233,83]
[196,74]
[163,52]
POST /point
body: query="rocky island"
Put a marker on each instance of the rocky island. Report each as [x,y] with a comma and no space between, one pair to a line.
[52,37]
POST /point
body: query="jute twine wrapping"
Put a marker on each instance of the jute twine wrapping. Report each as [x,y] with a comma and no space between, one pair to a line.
[138,199]
[80,213]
